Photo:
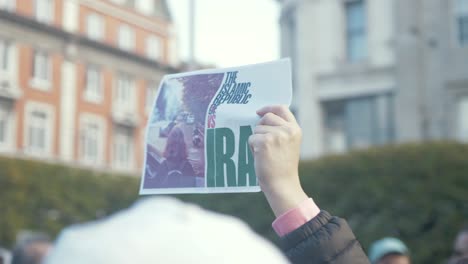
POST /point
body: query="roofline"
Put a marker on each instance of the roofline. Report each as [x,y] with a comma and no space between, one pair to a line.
[82,40]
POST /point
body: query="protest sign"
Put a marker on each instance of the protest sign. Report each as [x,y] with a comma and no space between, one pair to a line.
[198,130]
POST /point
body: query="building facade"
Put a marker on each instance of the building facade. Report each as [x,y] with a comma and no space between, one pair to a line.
[77,78]
[372,72]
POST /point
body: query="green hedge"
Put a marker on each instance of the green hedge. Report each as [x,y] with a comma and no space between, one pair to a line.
[416,192]
[47,197]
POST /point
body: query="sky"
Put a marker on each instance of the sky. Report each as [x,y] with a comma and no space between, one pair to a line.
[229,32]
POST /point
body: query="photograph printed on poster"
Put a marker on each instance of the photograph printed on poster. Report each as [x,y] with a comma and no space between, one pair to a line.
[175,156]
[200,124]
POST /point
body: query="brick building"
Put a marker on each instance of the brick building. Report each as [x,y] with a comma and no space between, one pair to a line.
[77,78]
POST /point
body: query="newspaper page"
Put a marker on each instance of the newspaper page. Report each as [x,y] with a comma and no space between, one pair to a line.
[198,130]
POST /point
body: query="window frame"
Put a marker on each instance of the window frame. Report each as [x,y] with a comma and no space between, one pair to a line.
[334,123]
[95,27]
[93,94]
[126,38]
[150,94]
[86,121]
[338,118]
[142,8]
[124,99]
[462,131]
[123,139]
[38,82]
[154,41]
[47,18]
[5,55]
[3,127]
[119,2]
[7,121]
[8,5]
[461,34]
[356,33]
[48,125]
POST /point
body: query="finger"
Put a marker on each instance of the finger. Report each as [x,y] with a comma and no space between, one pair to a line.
[279,110]
[270,119]
[261,129]
[253,142]
[260,142]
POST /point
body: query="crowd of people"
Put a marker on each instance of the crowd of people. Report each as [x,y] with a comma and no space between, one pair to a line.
[165,230]
[30,248]
[34,249]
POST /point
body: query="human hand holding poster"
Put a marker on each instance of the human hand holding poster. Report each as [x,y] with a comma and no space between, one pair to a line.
[198,130]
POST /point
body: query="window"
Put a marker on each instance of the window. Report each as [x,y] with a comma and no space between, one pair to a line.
[7,126]
[151,90]
[124,91]
[153,48]
[95,27]
[462,21]
[44,10]
[361,122]
[145,6]
[4,126]
[120,2]
[39,128]
[126,38]
[463,119]
[358,123]
[7,4]
[38,132]
[91,143]
[93,90]
[123,148]
[356,35]
[4,52]
[41,66]
[335,128]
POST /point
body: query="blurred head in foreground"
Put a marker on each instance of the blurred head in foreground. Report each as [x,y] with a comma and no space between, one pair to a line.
[163,230]
[389,250]
[31,249]
[5,256]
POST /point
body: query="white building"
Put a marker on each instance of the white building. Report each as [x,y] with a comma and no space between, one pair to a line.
[371,72]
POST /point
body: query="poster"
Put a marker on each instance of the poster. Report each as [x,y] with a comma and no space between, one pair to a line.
[198,129]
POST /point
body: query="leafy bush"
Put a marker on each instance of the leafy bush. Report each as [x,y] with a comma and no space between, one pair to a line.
[418,193]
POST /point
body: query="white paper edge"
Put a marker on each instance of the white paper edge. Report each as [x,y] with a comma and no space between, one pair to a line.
[199,190]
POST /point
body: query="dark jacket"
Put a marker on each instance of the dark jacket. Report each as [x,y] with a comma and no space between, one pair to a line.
[324,239]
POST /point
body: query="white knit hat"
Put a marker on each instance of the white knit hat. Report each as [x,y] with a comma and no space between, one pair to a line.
[163,230]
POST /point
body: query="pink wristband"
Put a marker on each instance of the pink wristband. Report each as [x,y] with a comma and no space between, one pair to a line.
[296,217]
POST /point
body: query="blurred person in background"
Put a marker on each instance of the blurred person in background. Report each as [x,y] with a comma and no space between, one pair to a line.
[460,248]
[165,230]
[389,250]
[31,248]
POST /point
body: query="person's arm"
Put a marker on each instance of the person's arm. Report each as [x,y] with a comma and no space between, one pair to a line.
[308,235]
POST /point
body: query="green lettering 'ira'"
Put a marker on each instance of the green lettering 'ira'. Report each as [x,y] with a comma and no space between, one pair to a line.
[220,147]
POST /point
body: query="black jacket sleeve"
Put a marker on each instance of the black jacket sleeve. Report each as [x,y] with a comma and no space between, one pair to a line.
[324,239]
